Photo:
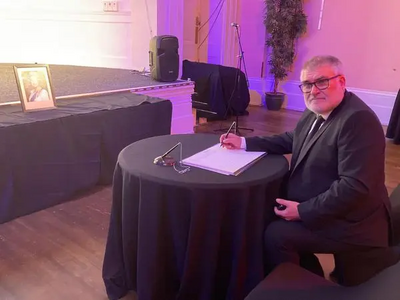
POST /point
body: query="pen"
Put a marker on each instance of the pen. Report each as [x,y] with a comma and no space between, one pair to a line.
[229,130]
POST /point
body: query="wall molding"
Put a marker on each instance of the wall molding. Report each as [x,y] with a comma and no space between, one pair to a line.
[380,102]
[87,37]
[66,16]
[111,61]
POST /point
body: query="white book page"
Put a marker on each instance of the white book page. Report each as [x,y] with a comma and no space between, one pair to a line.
[222,160]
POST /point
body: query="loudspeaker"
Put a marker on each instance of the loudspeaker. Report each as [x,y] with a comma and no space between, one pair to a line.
[164,58]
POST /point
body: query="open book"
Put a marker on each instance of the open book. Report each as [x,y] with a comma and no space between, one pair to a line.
[224,161]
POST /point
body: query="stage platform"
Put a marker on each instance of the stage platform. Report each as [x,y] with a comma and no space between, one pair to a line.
[48,156]
[78,81]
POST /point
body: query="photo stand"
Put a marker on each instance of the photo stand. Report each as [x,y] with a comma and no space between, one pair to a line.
[35,87]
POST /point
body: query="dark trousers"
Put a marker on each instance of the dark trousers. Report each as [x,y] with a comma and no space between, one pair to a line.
[290,241]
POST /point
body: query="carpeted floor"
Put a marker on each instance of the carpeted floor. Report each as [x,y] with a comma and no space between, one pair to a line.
[74,80]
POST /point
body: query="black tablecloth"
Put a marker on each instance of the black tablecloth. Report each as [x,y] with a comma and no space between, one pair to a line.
[187,236]
[48,156]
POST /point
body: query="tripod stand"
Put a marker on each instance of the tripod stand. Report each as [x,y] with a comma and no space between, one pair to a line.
[237,83]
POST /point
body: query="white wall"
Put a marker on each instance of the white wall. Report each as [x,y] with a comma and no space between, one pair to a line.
[144,27]
[170,22]
[77,32]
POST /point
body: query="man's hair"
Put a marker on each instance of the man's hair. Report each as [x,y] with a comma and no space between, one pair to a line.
[320,60]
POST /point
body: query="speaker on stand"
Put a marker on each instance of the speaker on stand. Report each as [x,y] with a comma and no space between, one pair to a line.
[164,58]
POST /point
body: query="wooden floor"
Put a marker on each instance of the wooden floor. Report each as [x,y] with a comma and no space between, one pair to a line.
[57,253]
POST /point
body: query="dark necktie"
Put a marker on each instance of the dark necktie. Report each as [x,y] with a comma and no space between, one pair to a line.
[313,131]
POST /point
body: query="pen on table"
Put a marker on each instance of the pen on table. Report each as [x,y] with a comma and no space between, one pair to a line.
[229,130]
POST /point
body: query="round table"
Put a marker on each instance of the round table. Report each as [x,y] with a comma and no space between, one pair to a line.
[196,235]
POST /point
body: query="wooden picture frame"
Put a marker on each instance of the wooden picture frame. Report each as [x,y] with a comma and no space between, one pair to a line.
[35,87]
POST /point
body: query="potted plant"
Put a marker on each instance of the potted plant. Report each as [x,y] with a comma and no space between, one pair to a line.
[285,22]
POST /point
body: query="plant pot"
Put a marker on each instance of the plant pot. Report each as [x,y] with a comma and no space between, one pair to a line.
[274,100]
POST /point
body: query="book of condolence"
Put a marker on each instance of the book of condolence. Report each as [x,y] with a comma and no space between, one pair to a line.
[224,161]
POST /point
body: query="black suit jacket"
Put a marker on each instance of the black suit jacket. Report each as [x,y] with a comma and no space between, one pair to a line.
[338,177]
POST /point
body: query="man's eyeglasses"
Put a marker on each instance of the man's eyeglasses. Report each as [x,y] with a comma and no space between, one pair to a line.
[321,84]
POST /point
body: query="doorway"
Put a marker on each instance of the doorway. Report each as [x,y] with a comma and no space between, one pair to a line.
[207,34]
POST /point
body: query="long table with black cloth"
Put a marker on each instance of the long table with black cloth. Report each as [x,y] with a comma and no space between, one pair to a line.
[48,156]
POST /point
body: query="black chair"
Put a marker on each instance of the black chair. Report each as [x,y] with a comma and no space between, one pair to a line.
[395,202]
[216,94]
[205,87]
[291,282]
[393,129]
[353,268]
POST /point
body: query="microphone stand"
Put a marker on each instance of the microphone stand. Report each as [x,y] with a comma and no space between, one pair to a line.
[237,82]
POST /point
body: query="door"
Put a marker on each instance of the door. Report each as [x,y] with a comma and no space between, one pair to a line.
[208,35]
[195,15]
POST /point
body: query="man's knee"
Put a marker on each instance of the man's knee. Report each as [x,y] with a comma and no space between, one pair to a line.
[280,244]
[277,234]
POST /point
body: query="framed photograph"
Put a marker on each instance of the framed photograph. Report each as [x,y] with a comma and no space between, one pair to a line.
[35,87]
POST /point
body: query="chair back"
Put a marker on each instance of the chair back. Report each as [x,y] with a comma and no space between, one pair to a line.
[395,215]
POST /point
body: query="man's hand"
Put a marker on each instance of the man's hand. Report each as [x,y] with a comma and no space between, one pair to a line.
[232,142]
[290,213]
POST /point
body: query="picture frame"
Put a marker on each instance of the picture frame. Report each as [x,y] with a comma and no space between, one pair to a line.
[35,87]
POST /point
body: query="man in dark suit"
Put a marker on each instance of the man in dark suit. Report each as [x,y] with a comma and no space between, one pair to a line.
[334,197]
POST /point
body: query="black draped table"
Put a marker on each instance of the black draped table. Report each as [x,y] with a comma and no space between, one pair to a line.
[47,156]
[192,236]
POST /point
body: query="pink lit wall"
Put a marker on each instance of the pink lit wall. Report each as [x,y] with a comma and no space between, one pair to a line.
[364,34]
[253,35]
